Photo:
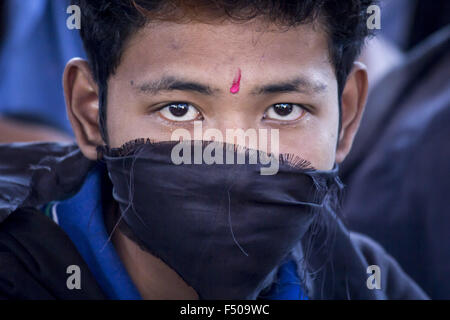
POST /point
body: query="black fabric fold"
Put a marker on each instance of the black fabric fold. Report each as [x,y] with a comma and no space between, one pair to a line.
[34,256]
[36,173]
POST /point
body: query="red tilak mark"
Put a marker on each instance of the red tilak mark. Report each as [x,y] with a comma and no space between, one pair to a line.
[235,87]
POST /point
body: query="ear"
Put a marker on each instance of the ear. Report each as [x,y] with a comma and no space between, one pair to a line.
[354,98]
[81,95]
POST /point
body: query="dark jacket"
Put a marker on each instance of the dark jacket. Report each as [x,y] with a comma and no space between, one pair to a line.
[398,173]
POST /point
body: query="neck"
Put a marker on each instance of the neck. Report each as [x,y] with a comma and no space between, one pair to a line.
[154,279]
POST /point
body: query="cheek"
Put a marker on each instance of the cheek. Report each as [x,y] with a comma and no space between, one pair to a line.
[126,126]
[317,150]
[315,143]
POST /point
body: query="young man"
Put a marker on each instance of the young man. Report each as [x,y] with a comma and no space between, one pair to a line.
[155,229]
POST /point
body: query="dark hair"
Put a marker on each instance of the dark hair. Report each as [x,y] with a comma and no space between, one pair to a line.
[107,25]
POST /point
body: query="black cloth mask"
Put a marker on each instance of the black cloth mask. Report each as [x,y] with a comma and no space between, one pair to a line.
[224,228]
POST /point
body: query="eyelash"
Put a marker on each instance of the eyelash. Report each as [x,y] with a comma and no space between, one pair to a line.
[304,110]
[160,110]
[299,108]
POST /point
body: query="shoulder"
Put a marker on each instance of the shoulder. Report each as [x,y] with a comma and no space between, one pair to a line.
[395,283]
[35,255]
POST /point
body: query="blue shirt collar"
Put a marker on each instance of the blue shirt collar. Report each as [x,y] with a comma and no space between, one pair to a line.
[81,217]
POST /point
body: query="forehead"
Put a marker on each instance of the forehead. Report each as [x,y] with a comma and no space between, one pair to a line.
[215,50]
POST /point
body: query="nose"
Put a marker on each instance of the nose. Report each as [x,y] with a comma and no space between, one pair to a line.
[232,128]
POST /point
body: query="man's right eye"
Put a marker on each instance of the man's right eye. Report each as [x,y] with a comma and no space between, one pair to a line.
[179,111]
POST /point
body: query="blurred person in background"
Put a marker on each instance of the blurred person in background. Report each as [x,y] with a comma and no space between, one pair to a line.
[398,173]
[34,49]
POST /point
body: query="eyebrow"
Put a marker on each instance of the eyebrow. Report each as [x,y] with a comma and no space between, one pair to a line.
[170,83]
[300,85]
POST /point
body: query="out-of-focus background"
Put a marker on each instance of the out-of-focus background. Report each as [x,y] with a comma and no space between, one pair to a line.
[398,173]
[35,46]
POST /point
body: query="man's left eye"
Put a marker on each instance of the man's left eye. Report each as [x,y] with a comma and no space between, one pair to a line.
[285,112]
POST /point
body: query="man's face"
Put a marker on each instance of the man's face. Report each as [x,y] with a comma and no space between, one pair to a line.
[286,82]
[227,77]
